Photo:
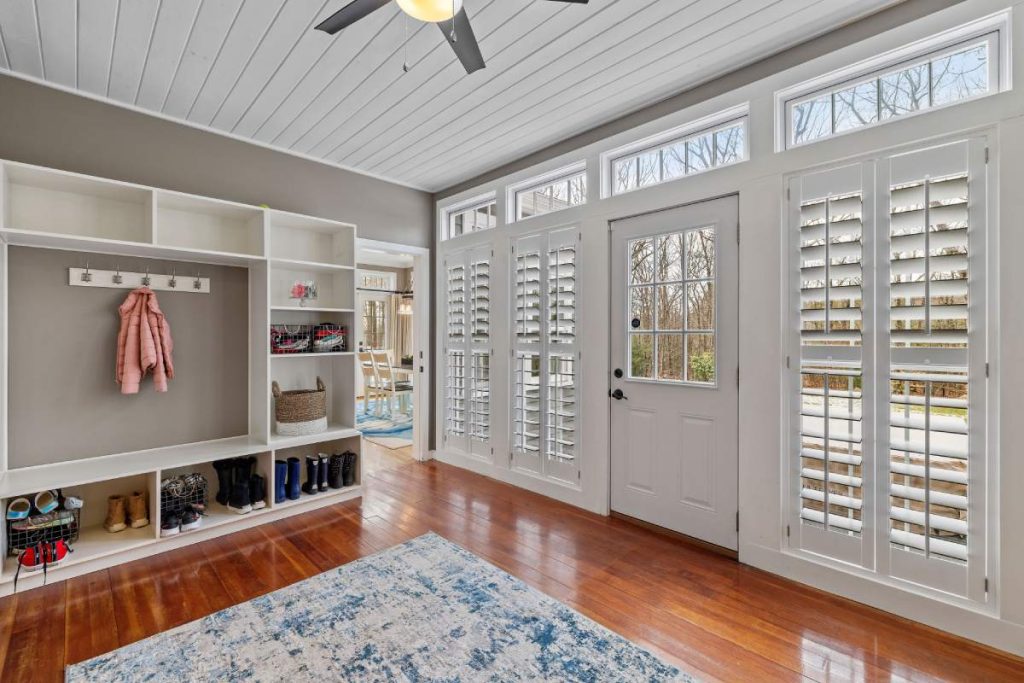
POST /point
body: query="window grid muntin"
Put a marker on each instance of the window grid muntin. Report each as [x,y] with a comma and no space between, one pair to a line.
[991,40]
[685,142]
[686,332]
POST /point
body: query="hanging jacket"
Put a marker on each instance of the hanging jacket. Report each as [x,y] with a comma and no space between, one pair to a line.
[144,343]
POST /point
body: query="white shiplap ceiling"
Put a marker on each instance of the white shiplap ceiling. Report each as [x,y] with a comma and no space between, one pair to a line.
[258,70]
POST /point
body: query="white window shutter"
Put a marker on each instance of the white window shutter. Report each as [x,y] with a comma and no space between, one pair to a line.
[545,355]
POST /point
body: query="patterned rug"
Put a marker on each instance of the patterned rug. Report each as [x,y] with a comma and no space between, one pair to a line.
[426,610]
[390,431]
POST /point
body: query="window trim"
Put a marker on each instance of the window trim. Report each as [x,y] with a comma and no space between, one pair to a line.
[706,124]
[513,191]
[471,204]
[993,30]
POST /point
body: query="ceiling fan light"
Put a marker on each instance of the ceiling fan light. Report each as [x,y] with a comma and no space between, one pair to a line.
[431,10]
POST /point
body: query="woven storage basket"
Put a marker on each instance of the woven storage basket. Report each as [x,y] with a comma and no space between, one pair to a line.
[301,412]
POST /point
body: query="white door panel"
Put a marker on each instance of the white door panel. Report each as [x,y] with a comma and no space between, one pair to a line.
[674,356]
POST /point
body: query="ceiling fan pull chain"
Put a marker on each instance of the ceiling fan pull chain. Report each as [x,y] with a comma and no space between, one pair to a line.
[455,38]
[405,59]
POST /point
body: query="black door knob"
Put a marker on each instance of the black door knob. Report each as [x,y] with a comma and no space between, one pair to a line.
[618,395]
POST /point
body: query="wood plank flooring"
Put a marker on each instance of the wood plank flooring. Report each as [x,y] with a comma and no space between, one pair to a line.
[708,614]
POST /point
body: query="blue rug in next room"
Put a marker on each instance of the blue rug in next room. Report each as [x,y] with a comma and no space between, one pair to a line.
[392,430]
[426,610]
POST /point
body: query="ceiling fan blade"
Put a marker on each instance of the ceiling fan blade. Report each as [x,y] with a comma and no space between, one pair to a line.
[464,44]
[349,14]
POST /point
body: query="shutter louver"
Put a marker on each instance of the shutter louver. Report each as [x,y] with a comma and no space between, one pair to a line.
[480,369]
[455,369]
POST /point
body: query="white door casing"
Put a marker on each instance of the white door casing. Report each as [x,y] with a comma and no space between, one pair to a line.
[674,326]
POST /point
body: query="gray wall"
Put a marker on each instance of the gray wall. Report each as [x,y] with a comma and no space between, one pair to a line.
[40,125]
[64,403]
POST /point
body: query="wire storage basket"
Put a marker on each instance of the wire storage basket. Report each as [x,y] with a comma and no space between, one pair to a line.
[321,338]
[59,525]
[177,493]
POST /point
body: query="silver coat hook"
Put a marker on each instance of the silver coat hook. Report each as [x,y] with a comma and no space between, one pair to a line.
[117,275]
[145,278]
[173,282]
[197,284]
[86,276]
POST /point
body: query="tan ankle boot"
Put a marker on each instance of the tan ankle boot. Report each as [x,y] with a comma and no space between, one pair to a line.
[115,515]
[138,510]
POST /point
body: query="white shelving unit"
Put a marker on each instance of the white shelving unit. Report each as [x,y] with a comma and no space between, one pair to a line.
[46,208]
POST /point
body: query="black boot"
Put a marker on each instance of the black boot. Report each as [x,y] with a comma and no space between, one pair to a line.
[312,471]
[321,472]
[224,470]
[240,501]
[258,492]
[334,467]
[348,469]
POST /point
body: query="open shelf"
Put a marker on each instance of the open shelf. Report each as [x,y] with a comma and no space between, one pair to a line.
[336,354]
[311,309]
[208,225]
[93,543]
[292,264]
[305,498]
[42,200]
[311,241]
[334,432]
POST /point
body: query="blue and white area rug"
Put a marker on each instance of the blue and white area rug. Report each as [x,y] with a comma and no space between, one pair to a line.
[391,430]
[426,610]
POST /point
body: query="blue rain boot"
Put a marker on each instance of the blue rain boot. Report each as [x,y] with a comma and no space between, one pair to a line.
[294,471]
[280,474]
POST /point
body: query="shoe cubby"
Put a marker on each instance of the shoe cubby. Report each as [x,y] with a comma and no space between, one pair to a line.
[94,541]
[216,513]
[294,333]
[45,201]
[109,223]
[201,224]
[329,447]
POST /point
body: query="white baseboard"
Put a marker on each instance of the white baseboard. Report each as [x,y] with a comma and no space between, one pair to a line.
[984,628]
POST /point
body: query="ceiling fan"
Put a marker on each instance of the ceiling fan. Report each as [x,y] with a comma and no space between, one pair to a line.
[449,15]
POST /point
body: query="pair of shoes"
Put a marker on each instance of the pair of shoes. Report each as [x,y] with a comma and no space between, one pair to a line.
[286,479]
[41,556]
[341,470]
[188,519]
[316,474]
[44,502]
[238,487]
[123,511]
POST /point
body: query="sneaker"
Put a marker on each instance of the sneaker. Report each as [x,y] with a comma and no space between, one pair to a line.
[170,525]
[191,519]
[19,508]
[46,501]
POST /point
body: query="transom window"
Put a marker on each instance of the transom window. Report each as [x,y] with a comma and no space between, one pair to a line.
[710,148]
[474,218]
[947,69]
[552,195]
[672,307]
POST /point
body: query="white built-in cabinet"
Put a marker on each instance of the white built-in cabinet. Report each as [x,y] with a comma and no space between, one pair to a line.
[46,208]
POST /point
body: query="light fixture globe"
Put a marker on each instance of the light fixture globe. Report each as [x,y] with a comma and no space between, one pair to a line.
[431,10]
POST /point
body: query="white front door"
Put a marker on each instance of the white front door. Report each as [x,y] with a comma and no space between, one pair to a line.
[674,394]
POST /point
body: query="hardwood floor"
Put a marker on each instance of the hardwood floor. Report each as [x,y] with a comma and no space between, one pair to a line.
[710,615]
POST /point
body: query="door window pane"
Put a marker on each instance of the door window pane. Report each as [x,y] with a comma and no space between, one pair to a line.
[700,358]
[700,305]
[700,254]
[670,307]
[641,309]
[641,354]
[670,356]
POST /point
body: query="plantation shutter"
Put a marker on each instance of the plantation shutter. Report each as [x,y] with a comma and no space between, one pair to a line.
[936,384]
[468,351]
[545,355]
[830,213]
[888,434]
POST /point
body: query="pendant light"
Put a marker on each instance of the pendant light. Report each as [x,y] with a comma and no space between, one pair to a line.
[431,10]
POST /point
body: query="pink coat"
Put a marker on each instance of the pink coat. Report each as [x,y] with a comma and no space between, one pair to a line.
[144,343]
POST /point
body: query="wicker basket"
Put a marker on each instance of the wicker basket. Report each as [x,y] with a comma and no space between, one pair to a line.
[301,412]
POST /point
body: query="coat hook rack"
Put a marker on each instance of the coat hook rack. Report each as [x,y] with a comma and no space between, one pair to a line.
[118,279]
